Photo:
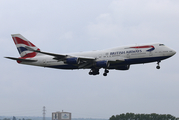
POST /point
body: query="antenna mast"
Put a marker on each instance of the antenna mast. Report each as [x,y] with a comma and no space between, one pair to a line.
[44,113]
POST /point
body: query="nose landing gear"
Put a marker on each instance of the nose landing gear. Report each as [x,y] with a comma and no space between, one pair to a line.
[158,65]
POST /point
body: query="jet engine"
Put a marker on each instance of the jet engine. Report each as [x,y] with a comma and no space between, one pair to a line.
[72,60]
[102,64]
[124,67]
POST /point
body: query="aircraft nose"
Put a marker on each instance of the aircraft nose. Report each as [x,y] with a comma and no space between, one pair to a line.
[173,52]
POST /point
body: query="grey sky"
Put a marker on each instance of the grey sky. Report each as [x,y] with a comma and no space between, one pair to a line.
[62,26]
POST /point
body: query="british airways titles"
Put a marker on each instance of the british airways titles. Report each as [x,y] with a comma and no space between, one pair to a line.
[125,52]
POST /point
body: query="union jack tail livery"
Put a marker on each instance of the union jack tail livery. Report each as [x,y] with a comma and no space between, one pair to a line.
[22,43]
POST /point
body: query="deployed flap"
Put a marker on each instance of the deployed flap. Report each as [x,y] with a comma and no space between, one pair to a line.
[86,58]
[21,59]
[85,65]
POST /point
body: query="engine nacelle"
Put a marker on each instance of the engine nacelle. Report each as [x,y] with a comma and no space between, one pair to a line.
[73,60]
[102,64]
[124,67]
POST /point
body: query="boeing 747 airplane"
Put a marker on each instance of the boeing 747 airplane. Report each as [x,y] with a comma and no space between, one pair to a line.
[118,58]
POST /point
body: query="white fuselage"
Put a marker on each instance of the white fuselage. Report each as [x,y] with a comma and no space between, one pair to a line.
[127,55]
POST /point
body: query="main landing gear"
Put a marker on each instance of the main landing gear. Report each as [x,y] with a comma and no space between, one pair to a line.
[105,72]
[96,72]
[158,65]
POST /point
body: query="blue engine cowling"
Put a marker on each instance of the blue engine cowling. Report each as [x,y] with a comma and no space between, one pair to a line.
[73,60]
[102,64]
[124,67]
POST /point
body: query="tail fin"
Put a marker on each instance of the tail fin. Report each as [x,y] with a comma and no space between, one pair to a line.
[21,42]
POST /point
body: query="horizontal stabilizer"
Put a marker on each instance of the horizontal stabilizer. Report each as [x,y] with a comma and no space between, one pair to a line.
[21,59]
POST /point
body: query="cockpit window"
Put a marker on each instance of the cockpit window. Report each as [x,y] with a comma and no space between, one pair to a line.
[161,45]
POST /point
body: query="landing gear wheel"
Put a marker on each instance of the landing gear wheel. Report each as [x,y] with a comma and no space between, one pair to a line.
[104,74]
[90,73]
[158,67]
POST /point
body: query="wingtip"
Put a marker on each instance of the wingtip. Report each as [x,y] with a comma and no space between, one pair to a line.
[7,57]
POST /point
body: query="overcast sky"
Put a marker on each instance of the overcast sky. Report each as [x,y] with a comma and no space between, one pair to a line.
[64,26]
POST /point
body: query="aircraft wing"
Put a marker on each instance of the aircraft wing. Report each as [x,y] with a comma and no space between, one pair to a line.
[85,62]
[61,56]
[83,58]
[56,56]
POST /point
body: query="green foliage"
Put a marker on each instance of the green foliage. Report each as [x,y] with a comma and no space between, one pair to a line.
[152,116]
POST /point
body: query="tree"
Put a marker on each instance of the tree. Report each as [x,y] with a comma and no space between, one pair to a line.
[152,116]
[112,118]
